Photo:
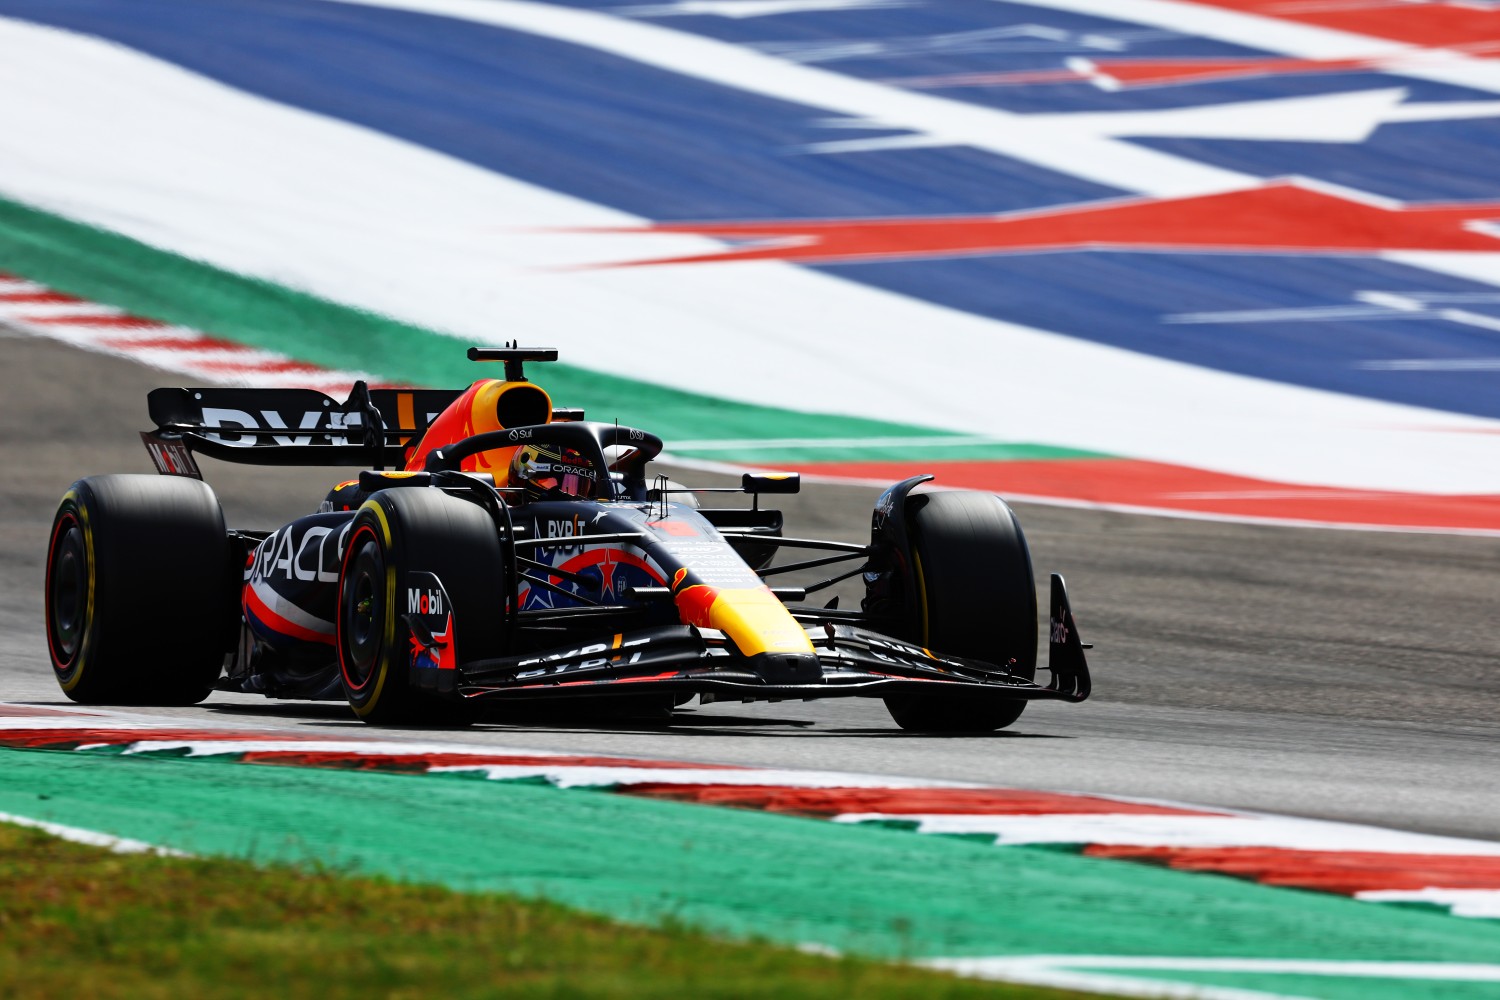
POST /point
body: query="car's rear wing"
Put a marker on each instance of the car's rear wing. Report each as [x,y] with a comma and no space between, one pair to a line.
[373,428]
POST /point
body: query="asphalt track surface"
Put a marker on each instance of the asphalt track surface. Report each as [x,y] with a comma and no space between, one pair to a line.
[1335,674]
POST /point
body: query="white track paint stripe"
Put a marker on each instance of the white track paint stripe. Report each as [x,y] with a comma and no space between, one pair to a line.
[192,353]
[563,775]
[1226,830]
[1473,972]
[99,720]
[1473,903]
[335,384]
[126,338]
[581,777]
[29,312]
[1067,972]
[85,338]
[914,441]
[1123,508]
[494,232]
[1042,972]
[372,749]
[93,838]
[204,358]
[1187,831]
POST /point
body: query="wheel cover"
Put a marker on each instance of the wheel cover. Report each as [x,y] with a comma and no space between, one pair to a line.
[67,592]
[362,611]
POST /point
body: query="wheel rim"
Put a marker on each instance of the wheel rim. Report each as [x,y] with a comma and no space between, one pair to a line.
[363,612]
[67,591]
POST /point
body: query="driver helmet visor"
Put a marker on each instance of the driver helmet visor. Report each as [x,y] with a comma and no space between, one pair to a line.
[569,481]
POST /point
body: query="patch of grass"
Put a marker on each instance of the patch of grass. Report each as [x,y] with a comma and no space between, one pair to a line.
[80,921]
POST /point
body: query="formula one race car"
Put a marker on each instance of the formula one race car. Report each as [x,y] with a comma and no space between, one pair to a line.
[521,554]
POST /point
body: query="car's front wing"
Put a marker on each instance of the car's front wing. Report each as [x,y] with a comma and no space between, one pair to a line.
[853,661]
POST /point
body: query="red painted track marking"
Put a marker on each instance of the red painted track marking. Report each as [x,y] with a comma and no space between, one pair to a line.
[132,322]
[369,760]
[1280,217]
[18,711]
[39,298]
[1156,72]
[1126,482]
[1345,872]
[1425,24]
[188,343]
[902,801]
[66,739]
[263,367]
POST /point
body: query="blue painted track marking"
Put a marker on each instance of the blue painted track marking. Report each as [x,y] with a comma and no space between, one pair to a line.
[665,147]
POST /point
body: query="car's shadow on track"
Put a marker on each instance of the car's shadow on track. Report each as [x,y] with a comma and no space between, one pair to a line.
[679,723]
[323,713]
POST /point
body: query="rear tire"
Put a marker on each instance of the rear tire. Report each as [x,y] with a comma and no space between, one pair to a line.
[141,591]
[976,598]
[395,534]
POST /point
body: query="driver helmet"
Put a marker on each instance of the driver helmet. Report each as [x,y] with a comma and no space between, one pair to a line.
[551,470]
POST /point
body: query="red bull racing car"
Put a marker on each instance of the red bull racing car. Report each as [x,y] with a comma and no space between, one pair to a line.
[518,554]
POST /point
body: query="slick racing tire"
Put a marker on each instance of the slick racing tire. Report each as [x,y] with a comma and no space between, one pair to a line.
[141,591]
[399,542]
[976,598]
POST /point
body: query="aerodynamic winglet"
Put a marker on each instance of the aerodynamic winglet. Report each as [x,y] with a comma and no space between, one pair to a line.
[1070,669]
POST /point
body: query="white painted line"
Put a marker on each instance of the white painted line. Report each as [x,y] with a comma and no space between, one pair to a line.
[194,358]
[1135,830]
[1039,971]
[1432,365]
[96,720]
[955,441]
[30,312]
[192,353]
[584,777]
[1474,903]
[1473,972]
[93,838]
[13,286]
[271,744]
[1094,973]
[125,338]
[333,383]
[1365,495]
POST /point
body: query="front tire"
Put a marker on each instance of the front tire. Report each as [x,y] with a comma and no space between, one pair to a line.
[141,591]
[976,598]
[397,534]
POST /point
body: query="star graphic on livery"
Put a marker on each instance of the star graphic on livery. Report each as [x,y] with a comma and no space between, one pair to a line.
[606,576]
[1283,217]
